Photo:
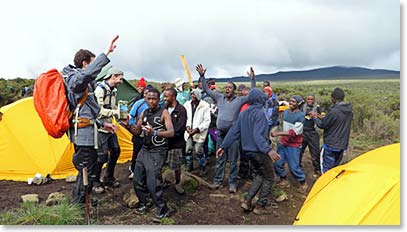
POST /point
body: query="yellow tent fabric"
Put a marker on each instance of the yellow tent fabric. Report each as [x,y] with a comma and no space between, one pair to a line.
[365,191]
[27,149]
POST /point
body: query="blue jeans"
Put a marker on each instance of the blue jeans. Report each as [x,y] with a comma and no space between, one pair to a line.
[330,158]
[195,149]
[232,155]
[291,155]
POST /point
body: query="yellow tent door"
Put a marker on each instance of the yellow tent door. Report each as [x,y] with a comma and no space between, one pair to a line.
[27,149]
[365,191]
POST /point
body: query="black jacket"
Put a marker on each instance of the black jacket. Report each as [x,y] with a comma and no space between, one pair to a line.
[337,124]
[179,121]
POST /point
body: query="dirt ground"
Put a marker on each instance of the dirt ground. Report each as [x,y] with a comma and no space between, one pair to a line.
[201,207]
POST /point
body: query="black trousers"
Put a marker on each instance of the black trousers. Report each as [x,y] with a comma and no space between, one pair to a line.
[137,145]
[310,139]
[263,177]
[147,178]
[109,151]
[85,156]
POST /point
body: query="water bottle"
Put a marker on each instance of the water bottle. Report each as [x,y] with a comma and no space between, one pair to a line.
[124,111]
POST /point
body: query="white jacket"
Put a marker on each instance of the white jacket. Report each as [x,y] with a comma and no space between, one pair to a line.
[201,120]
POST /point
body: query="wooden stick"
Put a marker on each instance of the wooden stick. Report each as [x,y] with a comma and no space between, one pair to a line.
[184,62]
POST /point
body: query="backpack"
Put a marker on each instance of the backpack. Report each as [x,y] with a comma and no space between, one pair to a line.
[51,103]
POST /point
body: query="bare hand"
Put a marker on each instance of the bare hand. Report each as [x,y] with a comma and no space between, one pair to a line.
[274,133]
[112,45]
[110,127]
[250,73]
[219,152]
[201,70]
[148,129]
[313,114]
[274,156]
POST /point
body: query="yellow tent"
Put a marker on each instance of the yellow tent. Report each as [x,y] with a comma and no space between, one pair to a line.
[365,191]
[27,149]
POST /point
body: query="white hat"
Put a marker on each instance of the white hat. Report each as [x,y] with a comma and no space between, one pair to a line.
[178,83]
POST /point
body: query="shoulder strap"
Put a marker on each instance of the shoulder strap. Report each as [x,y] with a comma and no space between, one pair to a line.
[80,102]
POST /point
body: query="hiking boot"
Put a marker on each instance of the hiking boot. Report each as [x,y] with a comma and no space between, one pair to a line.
[215,186]
[246,205]
[141,209]
[112,183]
[180,190]
[283,183]
[232,189]
[316,174]
[260,210]
[163,213]
[202,172]
[131,176]
[98,188]
[303,188]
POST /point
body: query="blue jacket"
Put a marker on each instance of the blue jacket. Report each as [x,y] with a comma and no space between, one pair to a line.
[136,111]
[251,126]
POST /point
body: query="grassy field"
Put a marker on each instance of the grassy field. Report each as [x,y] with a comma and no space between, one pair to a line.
[376,107]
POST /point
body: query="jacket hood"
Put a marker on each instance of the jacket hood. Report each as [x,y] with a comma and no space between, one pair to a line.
[257,97]
[344,107]
[68,69]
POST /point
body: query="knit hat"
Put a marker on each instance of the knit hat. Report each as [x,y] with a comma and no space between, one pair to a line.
[338,94]
[141,83]
[268,90]
[197,93]
[298,99]
[113,71]
[178,83]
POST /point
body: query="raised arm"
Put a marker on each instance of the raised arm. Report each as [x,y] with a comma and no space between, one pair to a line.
[201,70]
[252,76]
[78,82]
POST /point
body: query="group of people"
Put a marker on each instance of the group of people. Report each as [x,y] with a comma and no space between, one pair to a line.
[240,125]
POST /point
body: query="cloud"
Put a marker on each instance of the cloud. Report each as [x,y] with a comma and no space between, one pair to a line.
[226,36]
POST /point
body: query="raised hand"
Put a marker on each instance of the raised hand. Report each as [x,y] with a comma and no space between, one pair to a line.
[250,73]
[112,45]
[201,70]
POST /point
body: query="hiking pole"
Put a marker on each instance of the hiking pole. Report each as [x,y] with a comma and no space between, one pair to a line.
[85,184]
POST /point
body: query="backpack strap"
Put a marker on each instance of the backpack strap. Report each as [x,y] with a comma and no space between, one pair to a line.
[105,94]
[76,112]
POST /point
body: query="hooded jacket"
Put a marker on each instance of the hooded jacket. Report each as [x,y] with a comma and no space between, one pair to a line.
[76,81]
[251,126]
[337,124]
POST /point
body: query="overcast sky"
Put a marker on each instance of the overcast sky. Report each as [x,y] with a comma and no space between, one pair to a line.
[226,36]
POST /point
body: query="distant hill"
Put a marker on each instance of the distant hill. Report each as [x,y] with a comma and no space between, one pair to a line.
[328,73]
